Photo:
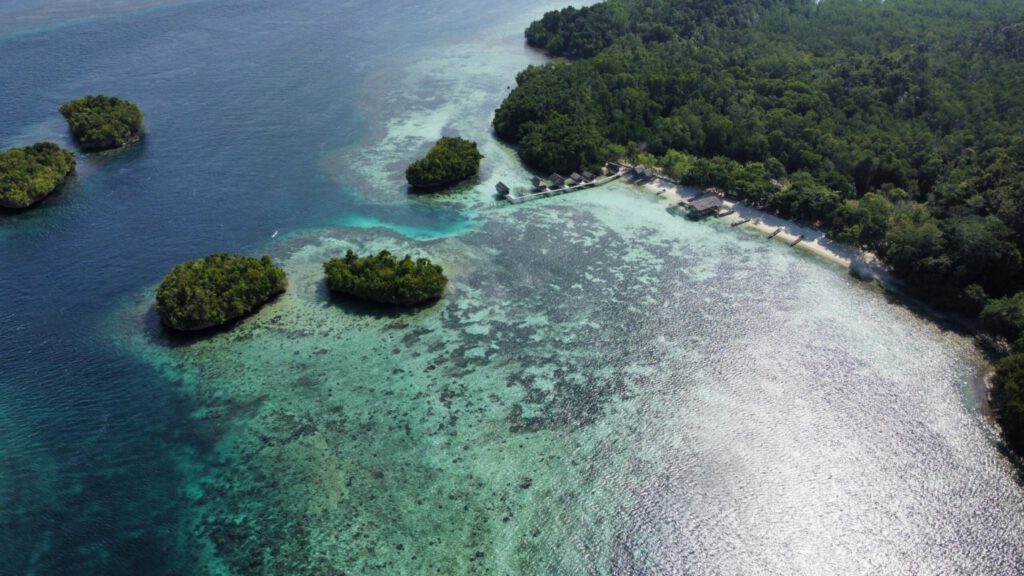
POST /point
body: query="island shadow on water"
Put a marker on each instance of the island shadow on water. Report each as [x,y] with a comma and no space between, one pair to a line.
[446,191]
[166,336]
[368,309]
[129,152]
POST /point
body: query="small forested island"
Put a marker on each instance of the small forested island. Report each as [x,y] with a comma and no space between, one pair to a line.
[217,289]
[27,175]
[385,279]
[829,112]
[449,161]
[103,122]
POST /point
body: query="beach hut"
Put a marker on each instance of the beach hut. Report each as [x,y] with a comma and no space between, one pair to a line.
[502,189]
[557,181]
[705,206]
[588,176]
[576,177]
[648,175]
[539,183]
[638,170]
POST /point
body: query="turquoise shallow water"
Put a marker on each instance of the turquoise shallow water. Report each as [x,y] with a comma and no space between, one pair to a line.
[606,389]
[680,398]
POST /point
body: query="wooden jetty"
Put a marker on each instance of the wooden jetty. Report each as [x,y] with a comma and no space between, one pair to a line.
[542,191]
[798,240]
[726,213]
[740,222]
[774,234]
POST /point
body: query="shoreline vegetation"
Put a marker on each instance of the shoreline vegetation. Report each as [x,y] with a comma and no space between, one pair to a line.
[449,161]
[28,175]
[814,241]
[215,290]
[103,122]
[826,113]
[385,279]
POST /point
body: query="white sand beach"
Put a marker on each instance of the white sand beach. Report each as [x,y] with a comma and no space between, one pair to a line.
[815,241]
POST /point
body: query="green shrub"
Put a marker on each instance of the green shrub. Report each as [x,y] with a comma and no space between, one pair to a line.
[386,279]
[1005,316]
[1008,397]
[103,122]
[27,175]
[450,160]
[217,289]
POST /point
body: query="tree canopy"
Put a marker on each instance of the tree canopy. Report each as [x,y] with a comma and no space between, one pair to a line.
[448,161]
[103,122]
[1008,398]
[386,279]
[217,289]
[27,175]
[897,126]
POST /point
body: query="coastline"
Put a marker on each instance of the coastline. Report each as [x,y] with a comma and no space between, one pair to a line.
[815,241]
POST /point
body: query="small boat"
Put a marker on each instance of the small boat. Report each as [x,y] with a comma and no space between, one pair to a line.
[274,235]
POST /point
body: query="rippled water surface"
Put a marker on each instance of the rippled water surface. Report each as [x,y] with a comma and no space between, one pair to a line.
[606,389]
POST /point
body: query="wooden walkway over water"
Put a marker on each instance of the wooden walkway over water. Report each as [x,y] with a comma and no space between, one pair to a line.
[513,198]
[640,176]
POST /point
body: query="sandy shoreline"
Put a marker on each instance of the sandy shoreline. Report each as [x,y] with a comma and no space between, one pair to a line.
[815,241]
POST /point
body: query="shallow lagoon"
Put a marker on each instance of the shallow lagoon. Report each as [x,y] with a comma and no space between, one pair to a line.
[607,389]
[679,398]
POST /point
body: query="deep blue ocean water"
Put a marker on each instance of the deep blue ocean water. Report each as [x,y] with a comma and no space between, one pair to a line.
[240,99]
[706,412]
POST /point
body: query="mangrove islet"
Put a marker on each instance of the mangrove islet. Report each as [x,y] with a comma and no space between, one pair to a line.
[215,290]
[103,122]
[27,175]
[450,160]
[385,279]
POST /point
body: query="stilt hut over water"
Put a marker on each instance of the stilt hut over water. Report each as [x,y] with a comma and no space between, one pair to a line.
[576,178]
[557,181]
[588,176]
[502,189]
[539,183]
[705,206]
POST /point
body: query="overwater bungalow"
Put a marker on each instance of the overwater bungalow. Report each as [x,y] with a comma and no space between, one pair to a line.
[588,176]
[576,177]
[705,206]
[502,189]
[557,181]
[539,183]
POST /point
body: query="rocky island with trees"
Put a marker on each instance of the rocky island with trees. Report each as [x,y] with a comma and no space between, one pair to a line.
[30,174]
[215,290]
[450,160]
[103,122]
[385,279]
